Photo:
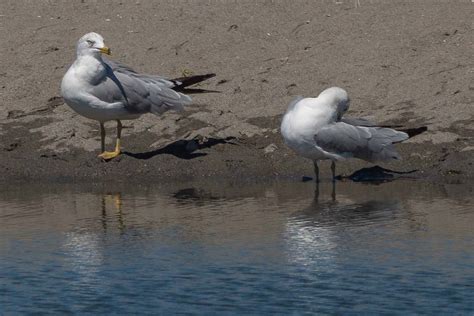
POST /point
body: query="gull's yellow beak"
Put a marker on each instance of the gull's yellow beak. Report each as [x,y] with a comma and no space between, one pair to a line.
[105,50]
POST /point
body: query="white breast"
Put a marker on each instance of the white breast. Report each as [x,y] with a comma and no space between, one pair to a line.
[301,123]
[76,86]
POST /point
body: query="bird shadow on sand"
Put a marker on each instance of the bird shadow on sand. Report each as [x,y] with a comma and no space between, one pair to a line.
[183,149]
[375,174]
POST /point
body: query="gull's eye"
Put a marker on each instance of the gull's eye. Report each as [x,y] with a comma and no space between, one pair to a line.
[91,43]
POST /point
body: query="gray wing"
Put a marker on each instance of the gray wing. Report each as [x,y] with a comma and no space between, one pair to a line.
[365,122]
[117,66]
[358,121]
[140,93]
[368,143]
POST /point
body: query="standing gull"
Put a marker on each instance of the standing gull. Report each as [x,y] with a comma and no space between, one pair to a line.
[104,90]
[314,129]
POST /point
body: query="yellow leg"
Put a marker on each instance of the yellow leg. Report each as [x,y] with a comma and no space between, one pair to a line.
[107,155]
[118,202]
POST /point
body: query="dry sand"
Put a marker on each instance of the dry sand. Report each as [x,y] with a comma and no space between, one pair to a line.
[402,62]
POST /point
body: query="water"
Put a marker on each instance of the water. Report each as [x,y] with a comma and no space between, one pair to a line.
[214,248]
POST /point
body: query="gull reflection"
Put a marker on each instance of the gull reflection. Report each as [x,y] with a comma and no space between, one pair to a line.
[83,254]
[83,247]
[316,235]
[114,199]
[196,196]
[333,192]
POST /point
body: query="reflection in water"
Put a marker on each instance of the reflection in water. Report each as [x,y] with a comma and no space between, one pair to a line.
[313,233]
[194,195]
[273,248]
[83,247]
[333,192]
[83,254]
[114,199]
[344,211]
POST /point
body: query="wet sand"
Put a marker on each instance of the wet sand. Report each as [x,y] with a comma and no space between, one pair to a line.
[402,63]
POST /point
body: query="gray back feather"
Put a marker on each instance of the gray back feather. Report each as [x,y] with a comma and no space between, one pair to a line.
[368,143]
[117,66]
[140,93]
[358,121]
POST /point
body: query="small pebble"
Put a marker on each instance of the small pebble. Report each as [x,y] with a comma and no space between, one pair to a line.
[270,148]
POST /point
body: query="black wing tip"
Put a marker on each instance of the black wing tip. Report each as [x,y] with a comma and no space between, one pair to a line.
[195,91]
[183,82]
[415,131]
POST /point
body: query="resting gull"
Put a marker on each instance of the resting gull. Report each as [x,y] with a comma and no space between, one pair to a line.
[105,90]
[314,129]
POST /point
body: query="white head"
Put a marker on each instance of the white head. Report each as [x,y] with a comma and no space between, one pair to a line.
[91,44]
[336,97]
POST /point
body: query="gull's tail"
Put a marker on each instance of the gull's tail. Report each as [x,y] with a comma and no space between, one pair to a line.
[395,136]
[176,96]
[182,83]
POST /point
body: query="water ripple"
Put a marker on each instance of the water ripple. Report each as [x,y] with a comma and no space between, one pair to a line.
[264,249]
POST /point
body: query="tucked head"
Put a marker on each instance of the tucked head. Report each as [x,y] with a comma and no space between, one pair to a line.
[91,44]
[336,97]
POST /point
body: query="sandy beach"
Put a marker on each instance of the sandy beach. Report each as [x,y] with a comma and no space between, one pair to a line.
[402,63]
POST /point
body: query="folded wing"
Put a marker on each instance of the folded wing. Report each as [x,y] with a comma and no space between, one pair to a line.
[368,143]
[140,93]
